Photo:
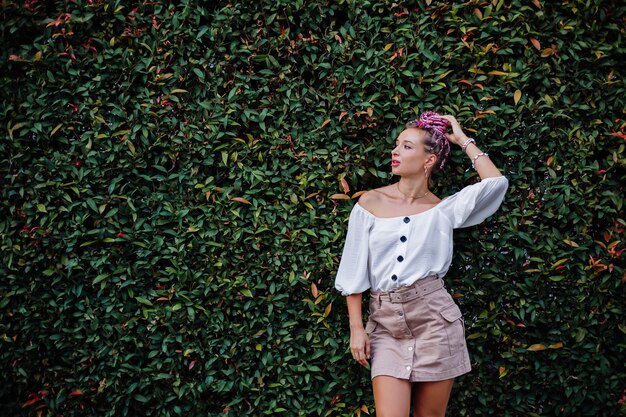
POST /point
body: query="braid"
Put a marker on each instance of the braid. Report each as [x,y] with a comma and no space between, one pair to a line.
[436,143]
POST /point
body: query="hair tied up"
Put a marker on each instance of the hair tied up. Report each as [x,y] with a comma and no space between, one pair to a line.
[436,126]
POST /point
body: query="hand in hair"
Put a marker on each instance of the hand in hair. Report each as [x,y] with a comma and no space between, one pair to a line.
[458,137]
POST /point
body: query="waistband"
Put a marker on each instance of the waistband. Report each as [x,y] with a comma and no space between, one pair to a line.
[418,289]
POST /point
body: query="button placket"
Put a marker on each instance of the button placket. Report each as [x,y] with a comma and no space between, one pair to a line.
[402,248]
[409,355]
[408,361]
[401,320]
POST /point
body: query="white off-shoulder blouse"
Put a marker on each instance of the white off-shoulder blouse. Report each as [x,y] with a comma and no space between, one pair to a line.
[384,253]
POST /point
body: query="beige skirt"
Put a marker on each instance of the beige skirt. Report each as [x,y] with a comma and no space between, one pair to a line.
[417,333]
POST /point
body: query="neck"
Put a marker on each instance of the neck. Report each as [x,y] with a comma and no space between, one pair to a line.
[413,187]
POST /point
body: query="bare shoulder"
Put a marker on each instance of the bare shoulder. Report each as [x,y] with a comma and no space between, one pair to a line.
[372,199]
[434,199]
[367,200]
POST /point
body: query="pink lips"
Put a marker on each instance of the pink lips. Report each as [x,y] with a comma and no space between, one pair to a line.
[395,163]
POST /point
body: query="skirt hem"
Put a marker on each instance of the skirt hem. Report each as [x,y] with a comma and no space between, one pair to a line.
[425,376]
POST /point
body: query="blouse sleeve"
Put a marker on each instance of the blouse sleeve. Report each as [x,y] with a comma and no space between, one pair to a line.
[476,202]
[352,275]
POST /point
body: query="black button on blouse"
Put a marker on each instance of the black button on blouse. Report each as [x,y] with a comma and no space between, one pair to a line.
[400,259]
[394,277]
[403,239]
[406,220]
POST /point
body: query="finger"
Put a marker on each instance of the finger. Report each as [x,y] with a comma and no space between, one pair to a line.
[450,118]
[451,137]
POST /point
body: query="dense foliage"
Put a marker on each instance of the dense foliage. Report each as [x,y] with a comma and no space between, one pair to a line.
[177,177]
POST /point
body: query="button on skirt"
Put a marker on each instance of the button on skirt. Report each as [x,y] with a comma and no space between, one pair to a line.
[417,333]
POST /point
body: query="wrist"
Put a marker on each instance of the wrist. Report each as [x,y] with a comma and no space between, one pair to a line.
[478,155]
[356,327]
[467,142]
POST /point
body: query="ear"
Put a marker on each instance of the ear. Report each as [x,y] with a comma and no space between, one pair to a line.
[430,162]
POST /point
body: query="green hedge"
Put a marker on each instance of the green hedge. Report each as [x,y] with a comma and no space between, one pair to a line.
[176,179]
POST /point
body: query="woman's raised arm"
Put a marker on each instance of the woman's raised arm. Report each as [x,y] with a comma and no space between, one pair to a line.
[480,160]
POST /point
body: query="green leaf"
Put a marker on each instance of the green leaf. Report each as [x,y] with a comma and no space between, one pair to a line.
[143,300]
[92,205]
[100,278]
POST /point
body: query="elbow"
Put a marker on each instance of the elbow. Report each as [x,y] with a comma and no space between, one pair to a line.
[500,185]
[500,188]
[504,184]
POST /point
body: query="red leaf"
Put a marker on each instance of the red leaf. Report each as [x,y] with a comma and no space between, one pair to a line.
[535,43]
[536,347]
[33,399]
[241,200]
[76,393]
[345,186]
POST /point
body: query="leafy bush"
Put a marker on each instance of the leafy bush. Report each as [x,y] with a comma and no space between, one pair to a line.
[176,178]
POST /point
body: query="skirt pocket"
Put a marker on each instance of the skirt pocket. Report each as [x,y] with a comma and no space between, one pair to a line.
[454,326]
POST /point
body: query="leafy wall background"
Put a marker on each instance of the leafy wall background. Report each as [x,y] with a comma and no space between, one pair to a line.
[176,184]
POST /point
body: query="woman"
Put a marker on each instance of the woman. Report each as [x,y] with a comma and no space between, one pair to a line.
[399,246]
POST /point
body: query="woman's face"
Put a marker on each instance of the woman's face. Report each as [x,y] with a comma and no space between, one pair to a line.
[409,157]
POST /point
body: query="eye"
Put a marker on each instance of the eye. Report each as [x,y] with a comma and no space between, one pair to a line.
[407,147]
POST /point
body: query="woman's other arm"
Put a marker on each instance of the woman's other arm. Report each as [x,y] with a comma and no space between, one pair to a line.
[359,341]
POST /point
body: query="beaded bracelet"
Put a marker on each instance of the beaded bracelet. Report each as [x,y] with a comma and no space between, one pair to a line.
[467,142]
[476,157]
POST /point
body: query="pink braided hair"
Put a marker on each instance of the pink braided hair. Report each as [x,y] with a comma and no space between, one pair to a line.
[437,143]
